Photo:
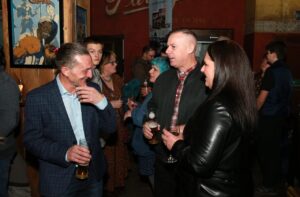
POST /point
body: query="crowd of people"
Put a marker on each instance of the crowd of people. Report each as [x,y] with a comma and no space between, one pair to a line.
[210,117]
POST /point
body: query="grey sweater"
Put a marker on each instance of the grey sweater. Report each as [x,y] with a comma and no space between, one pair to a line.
[9,114]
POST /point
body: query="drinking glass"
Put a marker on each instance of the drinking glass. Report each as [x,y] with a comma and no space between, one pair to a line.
[82,170]
[174,131]
[154,130]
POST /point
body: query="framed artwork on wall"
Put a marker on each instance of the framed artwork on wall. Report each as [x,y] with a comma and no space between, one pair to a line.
[81,20]
[35,32]
[81,23]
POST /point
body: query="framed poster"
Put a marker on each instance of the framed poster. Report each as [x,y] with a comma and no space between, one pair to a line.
[35,32]
[81,23]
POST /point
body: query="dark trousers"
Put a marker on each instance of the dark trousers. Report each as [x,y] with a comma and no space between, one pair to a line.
[4,175]
[164,179]
[83,188]
[268,147]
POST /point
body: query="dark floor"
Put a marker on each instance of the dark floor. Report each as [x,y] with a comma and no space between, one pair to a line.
[135,187]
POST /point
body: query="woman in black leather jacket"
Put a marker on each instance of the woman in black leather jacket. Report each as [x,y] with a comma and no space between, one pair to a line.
[211,151]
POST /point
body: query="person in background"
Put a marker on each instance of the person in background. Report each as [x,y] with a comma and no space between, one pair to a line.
[273,103]
[61,113]
[95,49]
[210,151]
[264,65]
[116,145]
[176,95]
[9,120]
[142,65]
[163,52]
[141,148]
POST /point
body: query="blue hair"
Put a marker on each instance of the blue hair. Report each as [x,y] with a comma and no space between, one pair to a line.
[161,63]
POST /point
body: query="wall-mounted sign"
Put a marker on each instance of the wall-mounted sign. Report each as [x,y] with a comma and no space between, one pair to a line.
[130,6]
[160,19]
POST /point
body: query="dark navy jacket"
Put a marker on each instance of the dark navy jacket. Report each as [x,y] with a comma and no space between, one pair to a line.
[49,134]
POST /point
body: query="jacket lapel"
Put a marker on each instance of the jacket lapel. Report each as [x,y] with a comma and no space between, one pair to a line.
[57,101]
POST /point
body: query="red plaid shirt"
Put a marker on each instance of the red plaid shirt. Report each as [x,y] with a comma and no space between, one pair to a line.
[181,76]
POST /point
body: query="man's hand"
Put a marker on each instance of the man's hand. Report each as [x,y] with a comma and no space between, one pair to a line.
[79,154]
[147,131]
[88,94]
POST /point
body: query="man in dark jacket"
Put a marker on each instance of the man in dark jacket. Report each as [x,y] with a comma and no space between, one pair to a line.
[9,119]
[60,114]
[176,95]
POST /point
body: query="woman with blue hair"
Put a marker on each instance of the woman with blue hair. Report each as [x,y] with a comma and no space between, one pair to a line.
[141,148]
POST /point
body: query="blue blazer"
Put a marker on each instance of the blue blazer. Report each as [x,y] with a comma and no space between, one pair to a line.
[48,135]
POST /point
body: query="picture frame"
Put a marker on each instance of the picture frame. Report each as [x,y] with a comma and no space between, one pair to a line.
[35,32]
[81,20]
[81,23]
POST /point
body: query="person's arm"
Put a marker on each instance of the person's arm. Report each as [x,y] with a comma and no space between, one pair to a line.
[263,94]
[9,108]
[206,148]
[266,85]
[36,125]
[138,114]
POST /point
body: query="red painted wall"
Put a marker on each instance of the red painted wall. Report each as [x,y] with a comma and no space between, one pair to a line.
[259,40]
[192,14]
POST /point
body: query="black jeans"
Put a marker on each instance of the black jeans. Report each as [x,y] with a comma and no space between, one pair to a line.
[164,179]
[268,147]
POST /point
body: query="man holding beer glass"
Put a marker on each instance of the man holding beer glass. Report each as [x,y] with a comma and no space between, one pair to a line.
[175,96]
[58,116]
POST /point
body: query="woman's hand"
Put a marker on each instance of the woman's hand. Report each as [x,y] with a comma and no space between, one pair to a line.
[169,139]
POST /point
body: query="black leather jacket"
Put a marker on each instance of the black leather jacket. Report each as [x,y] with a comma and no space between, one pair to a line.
[210,155]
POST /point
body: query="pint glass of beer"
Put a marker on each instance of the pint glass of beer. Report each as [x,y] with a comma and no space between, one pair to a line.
[82,171]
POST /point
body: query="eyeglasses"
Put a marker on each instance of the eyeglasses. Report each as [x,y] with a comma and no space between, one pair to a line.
[112,62]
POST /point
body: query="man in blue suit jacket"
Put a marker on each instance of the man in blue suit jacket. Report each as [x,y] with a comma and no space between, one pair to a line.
[58,115]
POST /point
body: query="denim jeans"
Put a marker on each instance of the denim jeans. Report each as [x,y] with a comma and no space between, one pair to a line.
[4,174]
[86,188]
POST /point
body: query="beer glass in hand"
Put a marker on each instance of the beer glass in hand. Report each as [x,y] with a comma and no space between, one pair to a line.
[153,125]
[82,170]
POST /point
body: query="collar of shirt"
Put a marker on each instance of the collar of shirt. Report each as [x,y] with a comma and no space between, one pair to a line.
[183,75]
[61,88]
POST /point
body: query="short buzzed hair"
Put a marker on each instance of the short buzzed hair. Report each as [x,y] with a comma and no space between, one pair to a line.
[67,53]
[187,32]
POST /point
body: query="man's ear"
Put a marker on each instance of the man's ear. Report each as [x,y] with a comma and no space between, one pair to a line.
[65,70]
[191,48]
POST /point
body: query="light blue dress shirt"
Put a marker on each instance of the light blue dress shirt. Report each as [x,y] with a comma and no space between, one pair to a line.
[73,108]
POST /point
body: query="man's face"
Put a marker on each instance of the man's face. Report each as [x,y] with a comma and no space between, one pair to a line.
[95,51]
[177,50]
[149,55]
[80,72]
[271,57]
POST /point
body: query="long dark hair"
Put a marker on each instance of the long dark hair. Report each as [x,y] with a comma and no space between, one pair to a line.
[233,80]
